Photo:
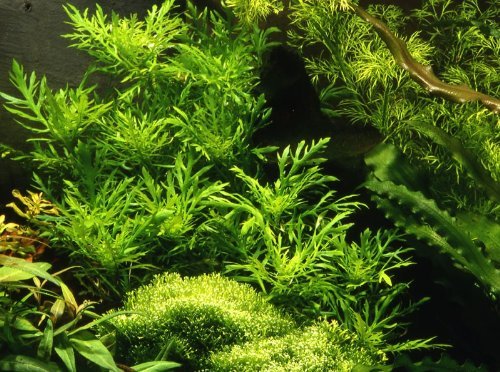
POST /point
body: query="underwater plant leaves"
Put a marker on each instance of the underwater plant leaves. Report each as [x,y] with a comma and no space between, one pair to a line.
[155,366]
[45,347]
[388,164]
[484,229]
[65,351]
[87,345]
[422,217]
[462,155]
[24,363]
[16,269]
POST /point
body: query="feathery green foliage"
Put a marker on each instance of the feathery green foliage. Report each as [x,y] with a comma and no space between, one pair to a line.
[159,173]
[130,170]
[457,142]
[291,240]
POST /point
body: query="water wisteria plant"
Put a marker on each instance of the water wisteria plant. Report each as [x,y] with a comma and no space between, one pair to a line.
[163,201]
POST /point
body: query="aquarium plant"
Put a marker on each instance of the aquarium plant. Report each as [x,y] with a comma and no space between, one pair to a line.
[434,98]
[160,173]
[211,322]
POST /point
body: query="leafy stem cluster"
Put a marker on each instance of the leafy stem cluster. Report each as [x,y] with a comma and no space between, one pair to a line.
[160,174]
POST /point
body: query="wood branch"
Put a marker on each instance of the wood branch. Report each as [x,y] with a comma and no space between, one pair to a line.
[422,74]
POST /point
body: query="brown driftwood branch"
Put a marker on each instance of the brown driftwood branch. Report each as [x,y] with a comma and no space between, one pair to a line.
[423,75]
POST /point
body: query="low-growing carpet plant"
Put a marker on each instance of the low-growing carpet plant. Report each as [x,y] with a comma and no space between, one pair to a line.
[214,323]
[159,174]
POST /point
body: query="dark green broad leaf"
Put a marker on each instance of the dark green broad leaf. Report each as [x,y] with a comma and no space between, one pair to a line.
[65,351]
[86,344]
[155,366]
[45,347]
[23,363]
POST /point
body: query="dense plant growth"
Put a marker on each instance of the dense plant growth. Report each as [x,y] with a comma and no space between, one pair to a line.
[160,174]
[215,323]
[375,80]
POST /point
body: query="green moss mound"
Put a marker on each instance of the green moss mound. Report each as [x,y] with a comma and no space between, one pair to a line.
[320,347]
[193,317]
[213,323]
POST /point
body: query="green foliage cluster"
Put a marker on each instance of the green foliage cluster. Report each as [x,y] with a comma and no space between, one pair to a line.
[471,240]
[459,143]
[131,172]
[318,347]
[159,174]
[41,328]
[291,240]
[457,146]
[216,323]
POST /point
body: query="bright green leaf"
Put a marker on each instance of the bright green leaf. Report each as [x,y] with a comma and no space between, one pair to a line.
[11,274]
[32,268]
[383,276]
[155,366]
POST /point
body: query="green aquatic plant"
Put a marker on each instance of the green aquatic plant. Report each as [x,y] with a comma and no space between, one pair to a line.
[471,240]
[384,78]
[193,317]
[320,347]
[216,323]
[290,238]
[159,173]
[42,330]
[130,169]
[456,141]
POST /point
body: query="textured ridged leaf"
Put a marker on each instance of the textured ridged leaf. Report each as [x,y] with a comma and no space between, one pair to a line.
[422,217]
